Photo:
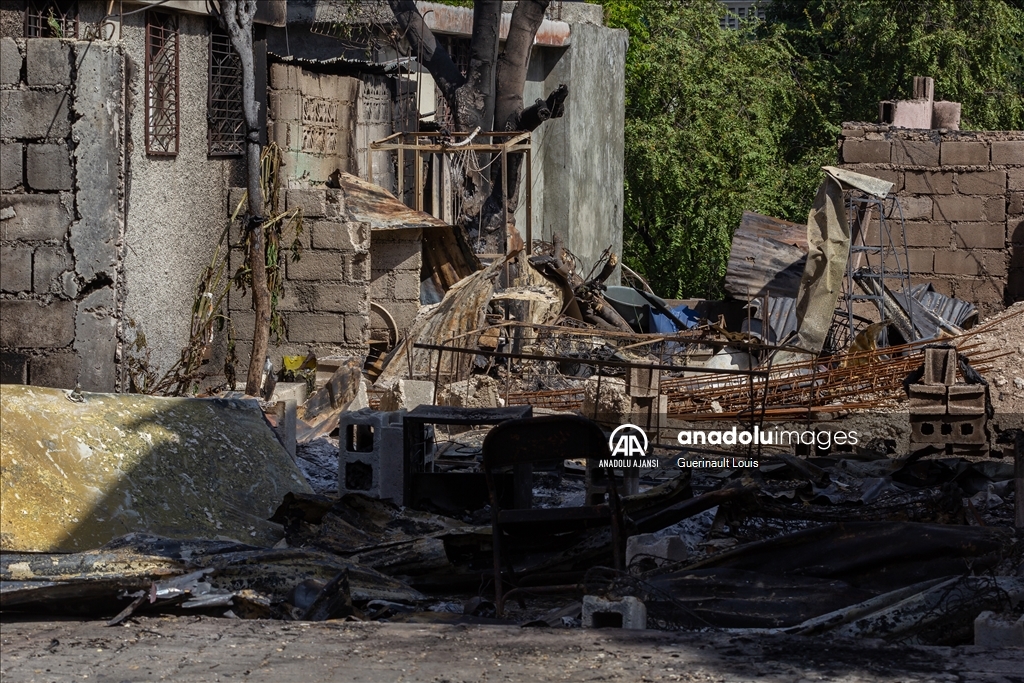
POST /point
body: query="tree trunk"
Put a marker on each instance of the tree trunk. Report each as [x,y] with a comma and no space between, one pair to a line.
[425,47]
[236,16]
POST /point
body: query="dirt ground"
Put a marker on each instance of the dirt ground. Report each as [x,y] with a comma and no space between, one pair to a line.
[203,649]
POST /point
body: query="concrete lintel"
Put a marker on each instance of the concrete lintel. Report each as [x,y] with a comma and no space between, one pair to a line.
[459,21]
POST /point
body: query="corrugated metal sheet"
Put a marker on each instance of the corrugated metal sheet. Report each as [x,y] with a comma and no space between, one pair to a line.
[767,255]
[781,318]
[459,21]
[961,313]
[369,203]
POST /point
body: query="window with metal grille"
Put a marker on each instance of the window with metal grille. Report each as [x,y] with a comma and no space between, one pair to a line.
[52,19]
[225,124]
[162,115]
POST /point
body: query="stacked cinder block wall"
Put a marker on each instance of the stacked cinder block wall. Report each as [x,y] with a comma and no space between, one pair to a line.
[325,302]
[962,195]
[61,211]
[396,258]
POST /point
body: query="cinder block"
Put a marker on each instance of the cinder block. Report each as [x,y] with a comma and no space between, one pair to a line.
[289,391]
[26,324]
[312,202]
[920,260]
[1015,179]
[317,265]
[371,454]
[34,114]
[1015,203]
[49,167]
[957,263]
[395,255]
[332,235]
[627,612]
[310,327]
[47,265]
[914,208]
[928,182]
[939,367]
[357,328]
[998,631]
[49,61]
[980,291]
[285,105]
[959,208]
[36,217]
[995,208]
[994,262]
[927,399]
[643,382]
[980,235]
[12,168]
[336,204]
[981,182]
[913,153]
[407,285]
[10,62]
[920,234]
[284,77]
[964,153]
[13,368]
[650,550]
[1008,153]
[337,298]
[866,151]
[356,268]
[15,268]
[965,399]
[407,394]
[59,370]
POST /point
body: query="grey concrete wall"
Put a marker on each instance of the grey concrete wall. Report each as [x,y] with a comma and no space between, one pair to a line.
[61,211]
[962,196]
[175,205]
[578,159]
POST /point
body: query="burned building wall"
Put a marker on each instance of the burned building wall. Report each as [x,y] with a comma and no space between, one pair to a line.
[962,196]
[396,258]
[61,211]
[325,300]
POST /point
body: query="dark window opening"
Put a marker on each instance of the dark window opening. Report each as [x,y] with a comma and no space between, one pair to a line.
[225,123]
[162,126]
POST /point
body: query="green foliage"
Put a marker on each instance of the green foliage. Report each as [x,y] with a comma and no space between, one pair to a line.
[718,121]
[859,53]
[707,114]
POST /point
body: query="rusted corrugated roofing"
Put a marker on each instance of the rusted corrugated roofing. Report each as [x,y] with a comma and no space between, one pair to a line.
[369,203]
[767,255]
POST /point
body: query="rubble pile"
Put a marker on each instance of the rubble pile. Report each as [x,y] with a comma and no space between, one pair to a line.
[831,450]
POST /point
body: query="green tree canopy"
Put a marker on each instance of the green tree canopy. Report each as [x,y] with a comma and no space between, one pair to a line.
[719,121]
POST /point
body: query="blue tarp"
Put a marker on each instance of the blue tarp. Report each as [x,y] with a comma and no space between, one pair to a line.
[662,324]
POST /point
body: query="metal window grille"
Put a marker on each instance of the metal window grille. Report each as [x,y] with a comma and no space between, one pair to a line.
[53,19]
[225,123]
[162,102]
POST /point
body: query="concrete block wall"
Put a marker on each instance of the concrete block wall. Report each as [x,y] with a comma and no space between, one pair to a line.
[396,258]
[312,117]
[325,303]
[962,195]
[61,211]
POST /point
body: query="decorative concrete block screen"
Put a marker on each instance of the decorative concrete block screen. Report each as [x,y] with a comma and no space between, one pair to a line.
[962,195]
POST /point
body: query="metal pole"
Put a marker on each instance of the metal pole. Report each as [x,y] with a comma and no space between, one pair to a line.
[529,201]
